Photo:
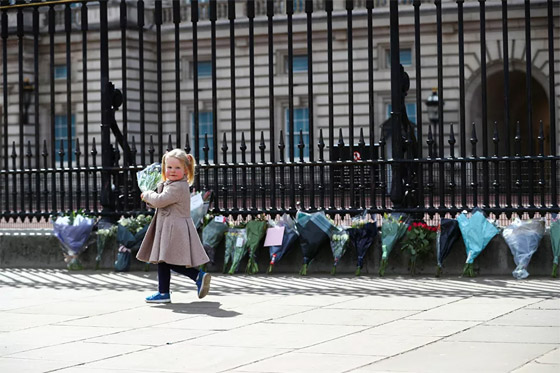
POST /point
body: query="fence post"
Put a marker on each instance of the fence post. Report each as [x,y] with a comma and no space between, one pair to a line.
[107,198]
[396,97]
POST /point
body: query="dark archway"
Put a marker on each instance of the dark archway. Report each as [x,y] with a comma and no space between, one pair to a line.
[518,109]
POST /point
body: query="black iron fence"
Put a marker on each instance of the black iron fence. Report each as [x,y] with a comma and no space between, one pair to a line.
[286,105]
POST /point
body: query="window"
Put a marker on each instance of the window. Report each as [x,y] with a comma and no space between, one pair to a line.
[299,6]
[60,71]
[205,126]
[204,69]
[301,122]
[405,57]
[300,64]
[61,134]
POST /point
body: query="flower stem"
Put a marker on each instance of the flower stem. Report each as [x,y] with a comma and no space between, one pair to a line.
[555,270]
[438,272]
[269,270]
[382,267]
[303,271]
[468,270]
[358,271]
[333,270]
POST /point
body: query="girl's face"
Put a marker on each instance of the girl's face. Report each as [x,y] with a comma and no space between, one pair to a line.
[174,169]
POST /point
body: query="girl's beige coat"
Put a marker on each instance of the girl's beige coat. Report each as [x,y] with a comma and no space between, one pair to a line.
[172,236]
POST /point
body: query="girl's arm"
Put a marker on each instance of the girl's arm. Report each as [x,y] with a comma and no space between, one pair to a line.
[168,196]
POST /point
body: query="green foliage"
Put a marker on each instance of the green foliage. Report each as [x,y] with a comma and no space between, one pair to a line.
[71,215]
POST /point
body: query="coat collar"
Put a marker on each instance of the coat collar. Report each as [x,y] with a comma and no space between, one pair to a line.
[167,182]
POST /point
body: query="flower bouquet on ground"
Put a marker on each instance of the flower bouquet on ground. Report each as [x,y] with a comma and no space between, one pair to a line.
[256,231]
[213,234]
[418,241]
[339,244]
[362,234]
[555,243]
[447,234]
[286,227]
[103,236]
[73,231]
[477,233]
[149,177]
[523,238]
[393,228]
[236,246]
[314,230]
[200,203]
[130,233]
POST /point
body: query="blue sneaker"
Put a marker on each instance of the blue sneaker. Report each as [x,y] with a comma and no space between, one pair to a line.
[203,284]
[159,298]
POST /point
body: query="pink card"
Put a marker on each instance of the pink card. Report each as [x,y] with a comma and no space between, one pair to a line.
[274,236]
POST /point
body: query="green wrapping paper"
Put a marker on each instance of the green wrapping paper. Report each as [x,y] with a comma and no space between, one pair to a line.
[256,231]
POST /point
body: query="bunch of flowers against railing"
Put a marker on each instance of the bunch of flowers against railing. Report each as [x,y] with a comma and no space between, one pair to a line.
[312,232]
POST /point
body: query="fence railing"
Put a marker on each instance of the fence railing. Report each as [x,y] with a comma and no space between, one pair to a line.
[270,135]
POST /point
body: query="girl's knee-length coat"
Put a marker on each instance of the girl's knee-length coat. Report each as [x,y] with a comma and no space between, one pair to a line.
[172,237]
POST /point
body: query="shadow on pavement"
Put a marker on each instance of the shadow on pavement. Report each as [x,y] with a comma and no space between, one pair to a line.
[199,308]
[284,285]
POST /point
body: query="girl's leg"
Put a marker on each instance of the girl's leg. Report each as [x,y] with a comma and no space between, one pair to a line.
[192,273]
[164,277]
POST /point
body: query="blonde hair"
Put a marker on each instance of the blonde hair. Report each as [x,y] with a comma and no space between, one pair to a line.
[188,161]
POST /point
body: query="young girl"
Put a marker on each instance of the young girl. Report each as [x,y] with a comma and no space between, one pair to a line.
[171,240]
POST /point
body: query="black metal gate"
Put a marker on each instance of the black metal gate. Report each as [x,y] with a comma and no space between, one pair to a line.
[93,91]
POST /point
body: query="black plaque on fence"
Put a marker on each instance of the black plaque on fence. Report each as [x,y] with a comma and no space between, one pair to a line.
[341,174]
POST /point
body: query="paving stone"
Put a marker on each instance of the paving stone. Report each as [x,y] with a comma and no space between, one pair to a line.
[370,344]
[293,362]
[80,351]
[278,335]
[509,334]
[433,328]
[9,364]
[187,357]
[444,357]
[529,317]
[474,309]
[330,316]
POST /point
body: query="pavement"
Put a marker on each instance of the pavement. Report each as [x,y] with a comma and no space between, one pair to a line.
[97,321]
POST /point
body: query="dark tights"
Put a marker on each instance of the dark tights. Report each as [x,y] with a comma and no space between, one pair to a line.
[164,274]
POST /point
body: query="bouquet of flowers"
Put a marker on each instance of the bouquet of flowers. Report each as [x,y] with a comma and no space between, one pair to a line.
[289,237]
[103,236]
[339,241]
[213,234]
[130,233]
[314,230]
[447,234]
[393,228]
[555,243]
[362,234]
[523,238]
[236,246]
[418,241]
[477,233]
[256,230]
[73,231]
[200,202]
[149,177]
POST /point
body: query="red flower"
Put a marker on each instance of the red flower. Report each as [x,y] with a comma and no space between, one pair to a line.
[409,228]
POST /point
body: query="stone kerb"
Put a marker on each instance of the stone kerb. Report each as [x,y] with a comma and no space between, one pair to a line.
[40,249]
